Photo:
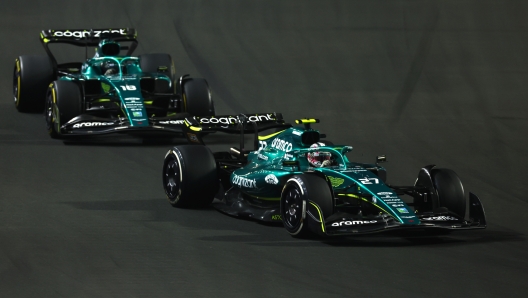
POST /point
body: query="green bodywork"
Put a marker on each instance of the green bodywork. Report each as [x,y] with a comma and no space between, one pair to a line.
[283,154]
[124,84]
[121,89]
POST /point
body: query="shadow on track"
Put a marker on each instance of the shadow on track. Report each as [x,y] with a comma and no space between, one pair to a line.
[208,219]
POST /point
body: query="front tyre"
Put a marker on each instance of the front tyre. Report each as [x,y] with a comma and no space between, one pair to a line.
[63,103]
[31,77]
[450,190]
[190,178]
[306,197]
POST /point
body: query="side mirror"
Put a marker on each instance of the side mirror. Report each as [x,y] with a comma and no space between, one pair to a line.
[381,158]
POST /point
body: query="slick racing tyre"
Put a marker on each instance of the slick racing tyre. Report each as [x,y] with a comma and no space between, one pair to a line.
[158,63]
[197,98]
[300,194]
[190,178]
[31,76]
[64,102]
[450,190]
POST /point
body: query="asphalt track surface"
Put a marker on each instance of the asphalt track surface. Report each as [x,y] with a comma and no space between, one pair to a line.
[424,82]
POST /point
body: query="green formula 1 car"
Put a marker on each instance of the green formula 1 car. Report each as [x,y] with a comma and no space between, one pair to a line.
[110,92]
[294,176]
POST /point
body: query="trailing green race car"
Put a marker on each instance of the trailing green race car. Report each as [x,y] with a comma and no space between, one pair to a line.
[310,185]
[110,92]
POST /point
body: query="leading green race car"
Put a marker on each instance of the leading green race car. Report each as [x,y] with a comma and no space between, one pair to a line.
[111,92]
[294,176]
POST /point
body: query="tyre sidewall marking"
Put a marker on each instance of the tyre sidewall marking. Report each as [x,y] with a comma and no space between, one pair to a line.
[17,101]
[303,213]
[55,116]
[184,102]
[180,165]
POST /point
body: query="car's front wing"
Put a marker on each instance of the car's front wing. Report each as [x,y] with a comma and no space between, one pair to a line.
[341,224]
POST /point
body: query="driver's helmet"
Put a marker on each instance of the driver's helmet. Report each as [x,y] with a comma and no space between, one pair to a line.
[110,67]
[319,158]
[108,47]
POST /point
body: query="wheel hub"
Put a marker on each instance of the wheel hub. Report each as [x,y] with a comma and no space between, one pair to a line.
[292,206]
[172,178]
[293,209]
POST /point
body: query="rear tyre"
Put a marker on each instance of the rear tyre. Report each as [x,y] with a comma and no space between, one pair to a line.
[450,190]
[190,177]
[197,98]
[300,193]
[155,63]
[31,76]
[64,102]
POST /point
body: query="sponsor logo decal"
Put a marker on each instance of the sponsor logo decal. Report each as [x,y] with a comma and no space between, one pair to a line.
[402,210]
[335,181]
[392,201]
[353,223]
[137,114]
[231,120]
[271,179]
[244,182]
[91,124]
[172,122]
[288,156]
[388,196]
[276,217]
[282,145]
[262,156]
[439,218]
[297,133]
[81,34]
[131,102]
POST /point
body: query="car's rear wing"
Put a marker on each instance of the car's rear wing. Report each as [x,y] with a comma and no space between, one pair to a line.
[87,38]
[241,124]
